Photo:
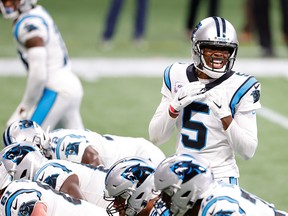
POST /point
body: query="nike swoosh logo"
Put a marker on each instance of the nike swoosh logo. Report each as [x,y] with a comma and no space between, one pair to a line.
[202,91]
[217,105]
[41,178]
[15,207]
[256,87]
[181,98]
[63,147]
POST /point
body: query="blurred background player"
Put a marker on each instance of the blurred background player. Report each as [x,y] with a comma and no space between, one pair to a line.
[212,107]
[141,10]
[188,188]
[83,146]
[193,8]
[53,94]
[36,199]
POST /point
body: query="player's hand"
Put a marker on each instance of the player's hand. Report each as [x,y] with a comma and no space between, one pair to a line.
[186,95]
[19,113]
[218,103]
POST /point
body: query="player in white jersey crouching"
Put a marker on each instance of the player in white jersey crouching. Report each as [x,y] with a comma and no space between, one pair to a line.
[25,197]
[188,188]
[53,93]
[83,146]
[80,181]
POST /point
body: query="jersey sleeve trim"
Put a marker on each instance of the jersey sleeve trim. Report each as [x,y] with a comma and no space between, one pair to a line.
[213,201]
[249,83]
[53,164]
[16,30]
[167,77]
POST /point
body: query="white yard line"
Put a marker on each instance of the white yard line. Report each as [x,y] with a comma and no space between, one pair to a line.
[273,117]
[93,68]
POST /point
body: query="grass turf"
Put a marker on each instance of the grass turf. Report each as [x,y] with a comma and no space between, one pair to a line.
[124,106]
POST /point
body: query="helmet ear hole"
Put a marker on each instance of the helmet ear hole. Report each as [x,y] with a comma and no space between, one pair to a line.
[24,173]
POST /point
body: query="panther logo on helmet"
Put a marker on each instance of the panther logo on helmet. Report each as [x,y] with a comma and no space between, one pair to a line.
[17,153]
[185,170]
[137,173]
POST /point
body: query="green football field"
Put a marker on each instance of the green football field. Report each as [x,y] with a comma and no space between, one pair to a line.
[82,23]
[125,105]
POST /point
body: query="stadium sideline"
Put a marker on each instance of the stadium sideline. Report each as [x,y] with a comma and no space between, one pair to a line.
[91,69]
[94,68]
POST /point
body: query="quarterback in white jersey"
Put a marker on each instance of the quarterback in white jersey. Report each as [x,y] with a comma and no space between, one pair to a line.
[187,187]
[212,107]
[21,197]
[80,181]
[53,93]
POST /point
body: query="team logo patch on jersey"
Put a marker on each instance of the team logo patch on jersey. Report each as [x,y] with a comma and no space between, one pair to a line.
[256,93]
[27,207]
[72,149]
[51,180]
[30,27]
[178,85]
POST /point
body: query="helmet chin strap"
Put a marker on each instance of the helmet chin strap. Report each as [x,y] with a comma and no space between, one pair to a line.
[130,211]
[31,171]
[13,170]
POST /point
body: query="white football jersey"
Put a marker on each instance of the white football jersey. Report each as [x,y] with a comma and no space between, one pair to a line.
[91,180]
[111,148]
[38,23]
[20,197]
[61,83]
[226,199]
[199,130]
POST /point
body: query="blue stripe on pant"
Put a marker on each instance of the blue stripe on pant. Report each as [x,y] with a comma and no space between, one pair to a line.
[44,106]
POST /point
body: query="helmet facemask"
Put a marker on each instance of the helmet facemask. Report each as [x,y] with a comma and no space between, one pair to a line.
[10,11]
[13,11]
[118,203]
[208,63]
[171,196]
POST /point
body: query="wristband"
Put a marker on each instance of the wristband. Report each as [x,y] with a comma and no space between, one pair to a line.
[173,111]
